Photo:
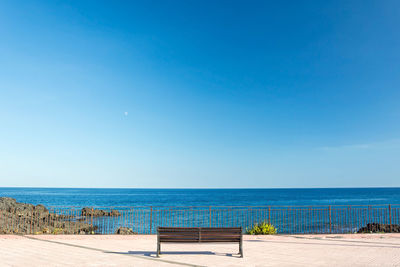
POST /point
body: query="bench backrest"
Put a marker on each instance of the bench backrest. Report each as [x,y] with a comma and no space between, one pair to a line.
[199,234]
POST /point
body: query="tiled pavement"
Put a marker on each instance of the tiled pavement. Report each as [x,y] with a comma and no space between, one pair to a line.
[138,250]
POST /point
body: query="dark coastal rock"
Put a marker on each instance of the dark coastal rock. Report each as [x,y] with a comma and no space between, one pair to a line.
[99,213]
[10,205]
[379,228]
[125,231]
[23,218]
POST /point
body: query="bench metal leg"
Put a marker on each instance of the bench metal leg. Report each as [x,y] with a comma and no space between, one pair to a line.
[158,245]
[241,248]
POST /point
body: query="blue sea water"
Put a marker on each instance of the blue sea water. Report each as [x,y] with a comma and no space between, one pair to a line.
[96,197]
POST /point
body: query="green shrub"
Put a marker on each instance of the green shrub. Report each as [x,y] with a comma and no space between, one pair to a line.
[58,231]
[263,228]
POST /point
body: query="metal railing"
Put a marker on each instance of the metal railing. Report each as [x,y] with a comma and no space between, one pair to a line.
[145,220]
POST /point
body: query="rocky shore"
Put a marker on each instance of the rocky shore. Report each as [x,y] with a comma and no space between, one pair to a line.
[380,228]
[23,218]
[99,213]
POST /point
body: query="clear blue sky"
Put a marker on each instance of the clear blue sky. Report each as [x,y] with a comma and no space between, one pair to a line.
[200,93]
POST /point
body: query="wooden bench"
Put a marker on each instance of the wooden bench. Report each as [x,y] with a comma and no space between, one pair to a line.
[199,235]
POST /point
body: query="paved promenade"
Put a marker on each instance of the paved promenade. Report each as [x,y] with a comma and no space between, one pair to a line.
[139,250]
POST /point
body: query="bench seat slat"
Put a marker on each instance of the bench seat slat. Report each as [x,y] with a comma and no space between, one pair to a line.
[193,241]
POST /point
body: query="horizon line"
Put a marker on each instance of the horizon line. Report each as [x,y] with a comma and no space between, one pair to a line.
[203,188]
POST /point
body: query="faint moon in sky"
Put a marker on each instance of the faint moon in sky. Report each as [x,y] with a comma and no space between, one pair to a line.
[126,113]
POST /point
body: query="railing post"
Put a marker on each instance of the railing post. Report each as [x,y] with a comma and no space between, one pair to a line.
[369,214]
[209,209]
[330,219]
[269,215]
[390,218]
[191,213]
[310,222]
[32,230]
[151,218]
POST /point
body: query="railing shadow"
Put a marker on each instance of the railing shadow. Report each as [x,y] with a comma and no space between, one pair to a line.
[129,253]
[332,244]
